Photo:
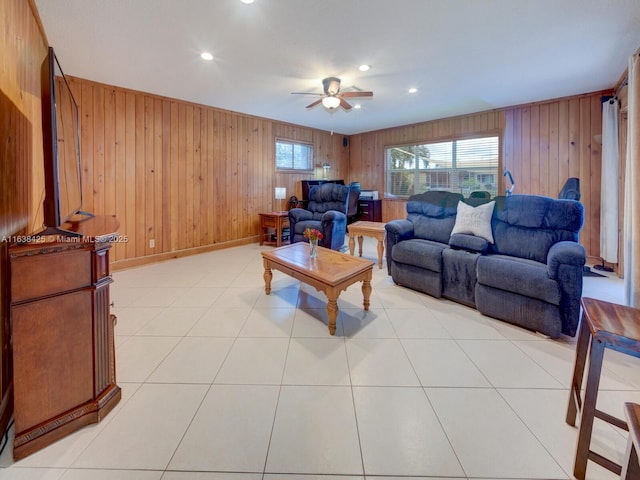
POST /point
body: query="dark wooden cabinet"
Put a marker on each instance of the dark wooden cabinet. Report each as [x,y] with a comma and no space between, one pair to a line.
[62,335]
[370,210]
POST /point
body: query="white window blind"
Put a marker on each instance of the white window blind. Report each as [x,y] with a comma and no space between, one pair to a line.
[460,166]
[293,156]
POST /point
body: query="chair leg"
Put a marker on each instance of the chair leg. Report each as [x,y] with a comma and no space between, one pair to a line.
[578,373]
[588,409]
[631,466]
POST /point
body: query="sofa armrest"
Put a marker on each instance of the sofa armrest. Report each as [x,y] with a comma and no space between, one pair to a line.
[334,228]
[401,229]
[565,253]
[299,214]
[470,243]
[396,231]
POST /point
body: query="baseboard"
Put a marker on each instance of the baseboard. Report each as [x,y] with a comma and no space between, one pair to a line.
[159,257]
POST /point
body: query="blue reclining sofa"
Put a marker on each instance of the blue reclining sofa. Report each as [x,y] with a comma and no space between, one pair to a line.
[524,266]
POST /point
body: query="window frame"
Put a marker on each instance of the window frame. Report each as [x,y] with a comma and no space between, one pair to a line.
[294,143]
[415,171]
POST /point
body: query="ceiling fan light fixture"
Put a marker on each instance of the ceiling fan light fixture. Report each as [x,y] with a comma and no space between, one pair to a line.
[331,102]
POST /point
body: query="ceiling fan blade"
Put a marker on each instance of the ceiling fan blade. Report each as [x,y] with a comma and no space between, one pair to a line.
[356,94]
[308,93]
[344,104]
[311,105]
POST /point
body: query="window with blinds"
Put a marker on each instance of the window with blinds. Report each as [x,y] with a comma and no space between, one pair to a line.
[293,155]
[460,166]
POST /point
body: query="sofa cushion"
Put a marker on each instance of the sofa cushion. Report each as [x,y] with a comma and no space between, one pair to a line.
[518,275]
[433,214]
[474,220]
[527,226]
[420,253]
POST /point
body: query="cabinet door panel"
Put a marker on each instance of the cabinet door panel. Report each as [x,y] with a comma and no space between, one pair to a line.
[49,376]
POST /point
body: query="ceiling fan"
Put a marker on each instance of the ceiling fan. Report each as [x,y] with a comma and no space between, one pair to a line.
[332,98]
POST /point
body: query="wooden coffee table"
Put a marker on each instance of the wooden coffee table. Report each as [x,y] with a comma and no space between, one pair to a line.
[331,272]
[367,229]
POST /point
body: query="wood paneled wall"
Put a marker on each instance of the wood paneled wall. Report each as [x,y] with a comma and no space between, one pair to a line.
[543,144]
[186,176]
[546,143]
[22,49]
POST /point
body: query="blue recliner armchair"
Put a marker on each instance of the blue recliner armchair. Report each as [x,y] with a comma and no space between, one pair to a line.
[326,212]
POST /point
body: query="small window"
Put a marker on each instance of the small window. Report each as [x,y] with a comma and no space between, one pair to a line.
[460,166]
[293,156]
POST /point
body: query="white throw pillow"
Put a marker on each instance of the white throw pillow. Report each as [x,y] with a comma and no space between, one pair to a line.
[475,220]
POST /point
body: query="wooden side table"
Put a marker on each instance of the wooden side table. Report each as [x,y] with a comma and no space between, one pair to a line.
[603,325]
[276,220]
[368,229]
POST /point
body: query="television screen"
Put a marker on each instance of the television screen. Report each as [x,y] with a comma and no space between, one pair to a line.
[61,140]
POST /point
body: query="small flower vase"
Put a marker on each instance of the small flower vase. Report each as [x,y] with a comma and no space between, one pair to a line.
[313,248]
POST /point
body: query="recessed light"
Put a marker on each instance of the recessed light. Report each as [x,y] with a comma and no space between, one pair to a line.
[364,68]
[357,106]
[206,56]
[247,1]
[413,90]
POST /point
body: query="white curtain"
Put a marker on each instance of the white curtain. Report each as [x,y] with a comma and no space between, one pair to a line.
[610,181]
[632,189]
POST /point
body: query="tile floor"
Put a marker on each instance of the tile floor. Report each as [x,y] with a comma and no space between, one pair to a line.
[221,382]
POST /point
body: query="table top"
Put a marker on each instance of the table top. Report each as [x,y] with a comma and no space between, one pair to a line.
[615,324]
[329,267]
[283,213]
[370,226]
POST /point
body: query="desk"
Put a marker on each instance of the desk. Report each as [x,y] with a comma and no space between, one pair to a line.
[369,229]
[276,220]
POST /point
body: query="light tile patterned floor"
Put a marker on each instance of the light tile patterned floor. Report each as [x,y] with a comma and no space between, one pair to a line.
[221,382]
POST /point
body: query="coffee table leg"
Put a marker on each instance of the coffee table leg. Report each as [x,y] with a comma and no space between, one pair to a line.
[366,293]
[380,251]
[268,275]
[332,313]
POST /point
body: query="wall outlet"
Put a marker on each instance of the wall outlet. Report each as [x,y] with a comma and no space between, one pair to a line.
[152,243]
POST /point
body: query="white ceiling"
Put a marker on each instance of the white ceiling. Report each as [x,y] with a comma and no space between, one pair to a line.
[463,56]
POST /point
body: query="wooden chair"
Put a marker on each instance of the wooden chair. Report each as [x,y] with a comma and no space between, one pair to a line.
[603,325]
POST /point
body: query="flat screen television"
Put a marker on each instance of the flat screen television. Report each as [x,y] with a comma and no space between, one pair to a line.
[61,143]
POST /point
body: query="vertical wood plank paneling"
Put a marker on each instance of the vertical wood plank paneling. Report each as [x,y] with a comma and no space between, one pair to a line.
[98,166]
[522,169]
[158,173]
[119,250]
[85,103]
[149,133]
[174,196]
[196,182]
[22,50]
[129,221]
[165,192]
[140,167]
[543,151]
[109,141]
[563,139]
